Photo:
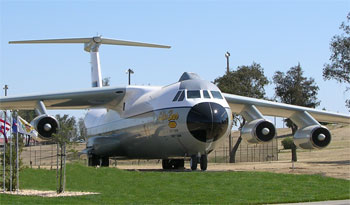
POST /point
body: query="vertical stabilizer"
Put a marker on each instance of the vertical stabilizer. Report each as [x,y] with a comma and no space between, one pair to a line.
[92,45]
[96,77]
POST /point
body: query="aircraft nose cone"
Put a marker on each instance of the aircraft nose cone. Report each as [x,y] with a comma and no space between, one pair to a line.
[207,121]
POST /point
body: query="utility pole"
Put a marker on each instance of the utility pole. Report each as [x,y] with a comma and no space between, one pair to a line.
[227,55]
[129,71]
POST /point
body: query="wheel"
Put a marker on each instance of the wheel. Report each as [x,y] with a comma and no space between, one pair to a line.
[104,161]
[166,164]
[194,162]
[178,163]
[93,160]
[204,162]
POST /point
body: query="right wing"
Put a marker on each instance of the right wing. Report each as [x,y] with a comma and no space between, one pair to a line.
[238,104]
[94,97]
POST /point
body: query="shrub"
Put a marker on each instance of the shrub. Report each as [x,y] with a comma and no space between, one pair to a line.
[287,143]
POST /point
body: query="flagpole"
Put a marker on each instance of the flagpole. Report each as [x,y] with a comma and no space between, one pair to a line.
[4,182]
[17,149]
[11,156]
[5,88]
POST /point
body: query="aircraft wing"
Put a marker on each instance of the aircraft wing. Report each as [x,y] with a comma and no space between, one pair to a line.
[82,99]
[238,103]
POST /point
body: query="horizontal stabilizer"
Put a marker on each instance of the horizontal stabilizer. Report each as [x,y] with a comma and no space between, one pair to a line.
[97,40]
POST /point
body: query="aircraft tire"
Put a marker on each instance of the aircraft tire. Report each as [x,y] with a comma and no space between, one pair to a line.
[181,164]
[166,164]
[204,162]
[105,161]
[178,163]
[194,162]
[93,161]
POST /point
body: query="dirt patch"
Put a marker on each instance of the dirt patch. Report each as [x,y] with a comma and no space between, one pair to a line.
[29,192]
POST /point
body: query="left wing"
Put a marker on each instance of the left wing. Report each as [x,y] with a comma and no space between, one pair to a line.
[238,105]
[82,99]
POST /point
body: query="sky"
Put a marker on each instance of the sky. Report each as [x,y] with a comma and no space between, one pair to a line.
[276,34]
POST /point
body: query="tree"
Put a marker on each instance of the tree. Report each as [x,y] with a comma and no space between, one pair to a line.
[66,134]
[339,68]
[82,130]
[293,88]
[106,81]
[246,81]
[27,115]
[68,123]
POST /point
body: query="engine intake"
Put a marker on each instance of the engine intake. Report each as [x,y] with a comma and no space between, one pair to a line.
[312,137]
[258,131]
[46,126]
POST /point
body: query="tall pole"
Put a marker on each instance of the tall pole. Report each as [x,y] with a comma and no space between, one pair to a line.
[227,55]
[10,159]
[129,72]
[4,182]
[17,157]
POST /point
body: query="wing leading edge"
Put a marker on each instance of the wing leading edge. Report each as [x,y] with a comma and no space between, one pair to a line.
[238,104]
[95,97]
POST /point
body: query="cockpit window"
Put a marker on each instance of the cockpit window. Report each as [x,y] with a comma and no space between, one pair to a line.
[177,95]
[206,94]
[193,94]
[182,96]
[216,94]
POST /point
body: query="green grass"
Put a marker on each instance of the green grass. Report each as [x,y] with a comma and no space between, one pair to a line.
[118,186]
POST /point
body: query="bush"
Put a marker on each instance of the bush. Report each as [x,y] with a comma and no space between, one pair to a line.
[287,143]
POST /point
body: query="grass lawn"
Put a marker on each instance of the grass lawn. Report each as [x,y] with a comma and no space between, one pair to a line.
[119,186]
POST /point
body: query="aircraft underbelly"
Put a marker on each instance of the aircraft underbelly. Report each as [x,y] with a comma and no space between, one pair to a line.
[155,134]
[152,135]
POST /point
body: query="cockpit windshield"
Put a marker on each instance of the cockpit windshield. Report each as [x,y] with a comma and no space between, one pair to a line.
[193,94]
[206,94]
[216,94]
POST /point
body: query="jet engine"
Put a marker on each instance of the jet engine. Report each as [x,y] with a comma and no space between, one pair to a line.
[311,137]
[258,131]
[46,126]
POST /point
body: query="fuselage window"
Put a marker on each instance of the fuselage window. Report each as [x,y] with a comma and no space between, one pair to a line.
[177,96]
[182,96]
[216,94]
[193,94]
[206,94]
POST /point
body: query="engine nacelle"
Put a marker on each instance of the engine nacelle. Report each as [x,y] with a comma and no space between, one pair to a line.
[46,126]
[258,131]
[311,137]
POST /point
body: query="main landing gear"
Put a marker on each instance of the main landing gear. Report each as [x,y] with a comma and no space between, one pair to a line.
[95,160]
[203,161]
[173,163]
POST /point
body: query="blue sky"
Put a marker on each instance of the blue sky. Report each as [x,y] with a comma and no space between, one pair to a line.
[276,34]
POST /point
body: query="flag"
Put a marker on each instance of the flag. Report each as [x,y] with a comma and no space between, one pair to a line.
[14,125]
[26,128]
[5,125]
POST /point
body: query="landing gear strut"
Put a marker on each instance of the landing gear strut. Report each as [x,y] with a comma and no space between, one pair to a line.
[203,160]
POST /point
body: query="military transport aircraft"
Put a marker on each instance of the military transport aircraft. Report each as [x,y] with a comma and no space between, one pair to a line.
[186,119]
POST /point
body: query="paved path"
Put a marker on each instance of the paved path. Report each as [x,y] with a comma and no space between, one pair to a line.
[336,202]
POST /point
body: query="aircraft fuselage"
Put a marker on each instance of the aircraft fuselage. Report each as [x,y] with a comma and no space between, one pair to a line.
[186,118]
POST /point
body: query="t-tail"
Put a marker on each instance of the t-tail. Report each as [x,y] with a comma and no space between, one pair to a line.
[92,45]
